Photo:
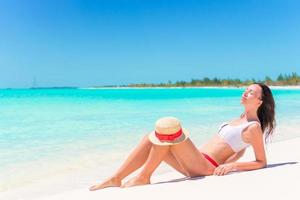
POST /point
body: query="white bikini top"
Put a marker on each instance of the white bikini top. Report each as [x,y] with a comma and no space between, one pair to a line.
[232,135]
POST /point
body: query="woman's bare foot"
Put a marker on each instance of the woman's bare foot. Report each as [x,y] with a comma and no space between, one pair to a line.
[111,182]
[135,181]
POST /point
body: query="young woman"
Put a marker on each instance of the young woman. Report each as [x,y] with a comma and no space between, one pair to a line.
[170,143]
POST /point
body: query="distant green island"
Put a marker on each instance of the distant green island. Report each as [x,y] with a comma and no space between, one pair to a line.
[292,79]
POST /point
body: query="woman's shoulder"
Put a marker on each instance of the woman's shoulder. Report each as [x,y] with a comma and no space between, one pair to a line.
[253,131]
[254,126]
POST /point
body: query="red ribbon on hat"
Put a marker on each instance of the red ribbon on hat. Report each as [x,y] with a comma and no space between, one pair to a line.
[170,137]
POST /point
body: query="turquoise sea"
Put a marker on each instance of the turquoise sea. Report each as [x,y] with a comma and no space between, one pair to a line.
[53,140]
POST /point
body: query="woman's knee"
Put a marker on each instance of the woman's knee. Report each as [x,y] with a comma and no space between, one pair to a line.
[146,140]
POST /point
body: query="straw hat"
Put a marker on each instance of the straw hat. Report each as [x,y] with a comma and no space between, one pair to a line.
[168,131]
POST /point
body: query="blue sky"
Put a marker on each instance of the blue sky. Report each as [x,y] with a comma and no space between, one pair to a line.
[86,43]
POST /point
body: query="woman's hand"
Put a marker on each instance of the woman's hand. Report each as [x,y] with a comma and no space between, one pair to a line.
[224,169]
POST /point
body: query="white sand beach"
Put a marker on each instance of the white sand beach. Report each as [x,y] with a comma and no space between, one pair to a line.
[280,180]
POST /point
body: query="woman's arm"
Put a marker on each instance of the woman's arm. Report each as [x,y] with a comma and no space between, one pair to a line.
[254,136]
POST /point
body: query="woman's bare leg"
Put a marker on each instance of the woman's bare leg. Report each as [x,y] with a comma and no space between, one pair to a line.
[187,155]
[156,156]
[191,159]
[134,161]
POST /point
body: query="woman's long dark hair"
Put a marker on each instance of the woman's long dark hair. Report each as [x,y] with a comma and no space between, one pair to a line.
[266,111]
